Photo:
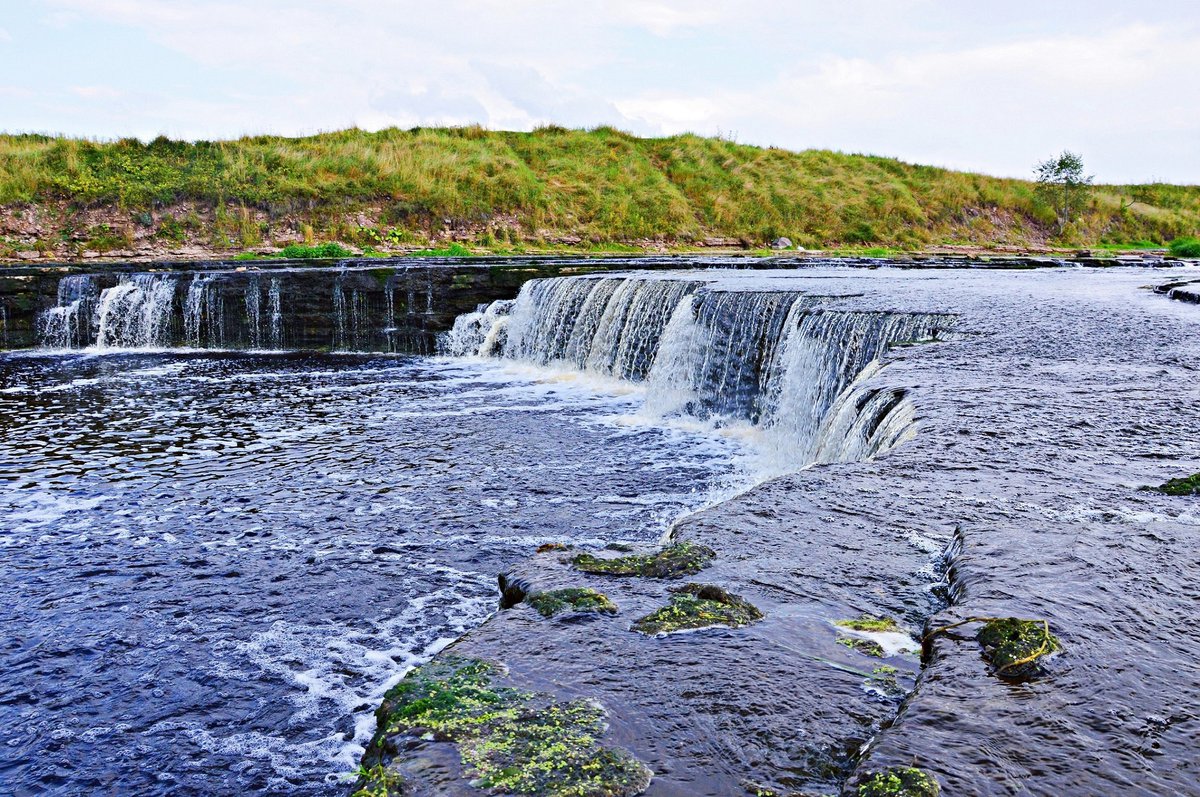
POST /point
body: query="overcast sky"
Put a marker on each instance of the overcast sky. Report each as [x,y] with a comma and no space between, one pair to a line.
[990,87]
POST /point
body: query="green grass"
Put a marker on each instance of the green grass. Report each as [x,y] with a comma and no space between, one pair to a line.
[319,251]
[453,250]
[505,191]
[1185,247]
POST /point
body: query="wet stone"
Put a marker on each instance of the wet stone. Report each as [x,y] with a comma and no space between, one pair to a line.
[867,647]
[510,741]
[379,781]
[1015,647]
[699,606]
[575,599]
[675,561]
[1189,485]
[869,624]
[899,782]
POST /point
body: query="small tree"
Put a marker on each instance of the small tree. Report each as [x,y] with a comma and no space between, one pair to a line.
[1063,185]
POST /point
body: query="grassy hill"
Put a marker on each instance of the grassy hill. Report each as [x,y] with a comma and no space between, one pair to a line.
[505,191]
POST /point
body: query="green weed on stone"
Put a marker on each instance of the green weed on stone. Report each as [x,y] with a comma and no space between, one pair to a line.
[510,741]
[869,624]
[675,561]
[1014,646]
[900,782]
[1189,485]
[699,606]
[867,647]
[576,599]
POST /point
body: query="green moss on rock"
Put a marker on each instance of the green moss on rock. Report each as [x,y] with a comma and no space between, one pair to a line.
[576,599]
[699,606]
[675,561]
[1189,485]
[867,647]
[1015,646]
[378,781]
[869,624]
[510,741]
[900,782]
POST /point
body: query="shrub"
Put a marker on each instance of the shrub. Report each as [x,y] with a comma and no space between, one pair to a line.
[300,251]
[1185,247]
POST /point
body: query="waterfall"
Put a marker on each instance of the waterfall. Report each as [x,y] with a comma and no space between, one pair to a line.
[69,325]
[275,307]
[193,310]
[254,313]
[796,367]
[136,312]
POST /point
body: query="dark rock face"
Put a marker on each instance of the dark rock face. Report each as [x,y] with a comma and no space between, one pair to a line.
[398,305]
[508,740]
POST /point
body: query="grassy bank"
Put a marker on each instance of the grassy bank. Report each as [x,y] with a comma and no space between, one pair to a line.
[500,191]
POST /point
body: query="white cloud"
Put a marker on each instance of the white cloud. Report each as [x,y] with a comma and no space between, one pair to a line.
[925,80]
[97,92]
[993,108]
[5,36]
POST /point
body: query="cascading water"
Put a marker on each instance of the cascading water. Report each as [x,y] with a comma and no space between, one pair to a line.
[69,325]
[350,317]
[254,313]
[275,307]
[136,312]
[789,364]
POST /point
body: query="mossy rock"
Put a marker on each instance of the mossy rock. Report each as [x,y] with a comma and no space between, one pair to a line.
[550,547]
[883,682]
[576,599]
[699,606]
[1189,485]
[867,647]
[869,624]
[379,781]
[675,561]
[510,741]
[1015,647]
[900,782]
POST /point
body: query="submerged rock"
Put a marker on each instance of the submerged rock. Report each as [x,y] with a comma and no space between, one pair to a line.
[675,561]
[510,741]
[699,606]
[379,781]
[899,782]
[867,647]
[576,599]
[869,624]
[1014,646]
[1189,485]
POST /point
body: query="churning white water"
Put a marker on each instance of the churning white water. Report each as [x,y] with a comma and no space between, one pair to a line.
[793,366]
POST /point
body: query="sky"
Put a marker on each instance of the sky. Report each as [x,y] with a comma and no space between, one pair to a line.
[988,87]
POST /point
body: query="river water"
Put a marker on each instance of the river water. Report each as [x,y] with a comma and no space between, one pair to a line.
[215,564]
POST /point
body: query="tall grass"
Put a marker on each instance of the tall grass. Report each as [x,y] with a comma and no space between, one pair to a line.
[601,185]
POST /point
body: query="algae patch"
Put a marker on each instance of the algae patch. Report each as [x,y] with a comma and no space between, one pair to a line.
[1014,646]
[1189,485]
[378,781]
[698,606]
[576,599]
[867,647]
[675,561]
[869,624]
[900,782]
[510,741]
